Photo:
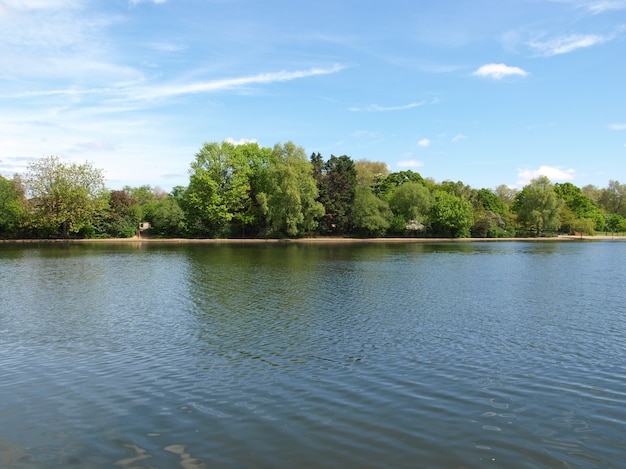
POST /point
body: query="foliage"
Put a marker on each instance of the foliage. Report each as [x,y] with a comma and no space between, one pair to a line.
[336,183]
[411,203]
[396,179]
[613,198]
[371,216]
[65,197]
[289,203]
[538,206]
[450,215]
[370,173]
[13,212]
[580,204]
[219,189]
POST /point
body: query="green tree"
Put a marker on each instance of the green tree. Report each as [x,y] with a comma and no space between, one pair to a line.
[370,173]
[396,179]
[506,194]
[580,204]
[66,197]
[371,216]
[219,192]
[411,203]
[613,198]
[124,215]
[289,199]
[13,212]
[538,206]
[336,186]
[450,215]
[168,219]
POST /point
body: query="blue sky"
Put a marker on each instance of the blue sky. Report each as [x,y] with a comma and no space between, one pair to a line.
[487,92]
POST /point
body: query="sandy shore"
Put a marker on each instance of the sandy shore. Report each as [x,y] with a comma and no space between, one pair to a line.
[318,240]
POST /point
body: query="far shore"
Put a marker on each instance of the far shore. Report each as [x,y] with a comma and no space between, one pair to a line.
[314,240]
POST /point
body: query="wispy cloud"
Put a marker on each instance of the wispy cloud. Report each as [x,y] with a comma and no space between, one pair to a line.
[425,142]
[213,86]
[566,44]
[90,147]
[617,126]
[553,173]
[458,137]
[601,6]
[410,164]
[498,71]
[378,108]
[137,2]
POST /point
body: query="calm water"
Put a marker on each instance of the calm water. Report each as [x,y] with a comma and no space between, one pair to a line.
[452,355]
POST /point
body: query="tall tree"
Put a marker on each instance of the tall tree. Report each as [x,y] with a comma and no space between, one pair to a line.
[219,190]
[370,173]
[538,206]
[580,205]
[289,199]
[13,212]
[613,198]
[411,202]
[371,216]
[450,215]
[336,186]
[66,197]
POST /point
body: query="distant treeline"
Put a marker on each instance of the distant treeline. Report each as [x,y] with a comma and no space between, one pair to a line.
[248,191]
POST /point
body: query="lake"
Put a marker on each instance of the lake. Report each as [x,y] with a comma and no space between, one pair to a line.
[282,355]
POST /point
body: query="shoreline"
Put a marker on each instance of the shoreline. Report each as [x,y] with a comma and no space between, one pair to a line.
[316,240]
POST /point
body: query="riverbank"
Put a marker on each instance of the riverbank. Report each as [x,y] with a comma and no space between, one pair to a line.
[316,240]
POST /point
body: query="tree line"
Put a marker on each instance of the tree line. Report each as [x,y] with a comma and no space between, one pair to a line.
[247,191]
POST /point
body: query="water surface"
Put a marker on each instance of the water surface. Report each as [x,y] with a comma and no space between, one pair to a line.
[385,355]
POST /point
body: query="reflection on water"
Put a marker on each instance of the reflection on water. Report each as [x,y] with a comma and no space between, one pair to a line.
[384,355]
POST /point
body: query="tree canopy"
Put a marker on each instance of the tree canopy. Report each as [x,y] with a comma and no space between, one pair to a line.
[253,191]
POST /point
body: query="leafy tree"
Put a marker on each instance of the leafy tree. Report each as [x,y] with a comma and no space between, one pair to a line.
[394,180]
[219,190]
[613,198]
[66,197]
[490,225]
[459,189]
[124,215]
[490,202]
[168,219]
[336,185]
[411,203]
[538,206]
[615,223]
[289,199]
[580,204]
[371,216]
[450,215]
[370,173]
[13,212]
[506,194]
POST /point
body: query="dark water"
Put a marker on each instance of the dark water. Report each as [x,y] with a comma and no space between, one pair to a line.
[468,355]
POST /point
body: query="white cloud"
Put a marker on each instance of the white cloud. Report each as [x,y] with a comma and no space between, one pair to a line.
[378,108]
[498,71]
[601,6]
[241,141]
[90,147]
[410,164]
[458,137]
[566,44]
[425,142]
[234,83]
[553,173]
[137,2]
[617,126]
